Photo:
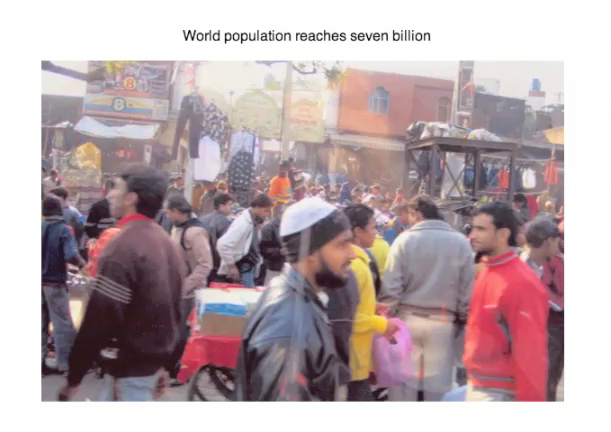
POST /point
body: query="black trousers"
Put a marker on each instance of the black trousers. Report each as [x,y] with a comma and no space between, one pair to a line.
[360,391]
[555,352]
[173,365]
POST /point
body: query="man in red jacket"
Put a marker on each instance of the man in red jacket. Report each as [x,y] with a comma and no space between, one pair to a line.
[506,337]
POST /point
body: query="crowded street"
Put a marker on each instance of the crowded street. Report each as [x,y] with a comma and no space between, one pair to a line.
[283,231]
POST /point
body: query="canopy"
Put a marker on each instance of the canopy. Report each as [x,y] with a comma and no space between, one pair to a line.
[91,127]
[555,135]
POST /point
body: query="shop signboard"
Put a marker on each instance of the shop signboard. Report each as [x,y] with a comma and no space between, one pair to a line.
[132,90]
[259,113]
[306,117]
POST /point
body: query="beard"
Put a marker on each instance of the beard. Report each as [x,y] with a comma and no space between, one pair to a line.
[326,278]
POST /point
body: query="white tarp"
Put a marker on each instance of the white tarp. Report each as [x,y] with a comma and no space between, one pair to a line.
[91,127]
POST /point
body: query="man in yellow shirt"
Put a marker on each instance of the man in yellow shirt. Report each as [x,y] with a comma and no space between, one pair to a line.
[366,321]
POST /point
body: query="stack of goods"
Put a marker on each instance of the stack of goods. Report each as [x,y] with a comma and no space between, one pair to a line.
[224,312]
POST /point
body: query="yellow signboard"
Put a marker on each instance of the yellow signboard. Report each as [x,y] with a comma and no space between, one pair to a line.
[259,113]
[306,117]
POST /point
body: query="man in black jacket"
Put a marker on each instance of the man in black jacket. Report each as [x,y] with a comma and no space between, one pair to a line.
[288,350]
[136,295]
[99,217]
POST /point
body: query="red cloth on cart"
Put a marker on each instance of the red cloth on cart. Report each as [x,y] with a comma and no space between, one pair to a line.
[220,351]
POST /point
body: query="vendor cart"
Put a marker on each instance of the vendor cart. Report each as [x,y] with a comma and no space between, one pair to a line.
[424,154]
[209,360]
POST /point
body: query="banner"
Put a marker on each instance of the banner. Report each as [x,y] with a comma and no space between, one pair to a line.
[307,117]
[136,90]
[259,113]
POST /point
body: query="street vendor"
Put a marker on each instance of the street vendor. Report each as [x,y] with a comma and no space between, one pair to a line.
[288,350]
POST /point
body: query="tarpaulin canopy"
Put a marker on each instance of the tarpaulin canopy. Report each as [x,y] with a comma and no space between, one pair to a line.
[555,135]
[375,143]
[91,127]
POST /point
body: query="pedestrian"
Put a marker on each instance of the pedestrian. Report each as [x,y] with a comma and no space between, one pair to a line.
[271,246]
[428,280]
[58,249]
[221,186]
[51,182]
[280,186]
[398,224]
[505,342]
[288,350]
[520,205]
[357,195]
[216,224]
[346,192]
[71,215]
[239,246]
[136,295]
[379,254]
[99,217]
[545,258]
[366,322]
[192,238]
[206,204]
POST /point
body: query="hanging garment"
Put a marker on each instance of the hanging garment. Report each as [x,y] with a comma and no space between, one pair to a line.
[192,111]
[551,173]
[216,124]
[241,172]
[493,178]
[529,179]
[241,140]
[208,166]
[503,179]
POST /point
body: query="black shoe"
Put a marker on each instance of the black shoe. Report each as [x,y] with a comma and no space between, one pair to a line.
[46,370]
[174,382]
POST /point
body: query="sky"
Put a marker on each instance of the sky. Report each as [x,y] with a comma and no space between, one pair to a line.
[515,77]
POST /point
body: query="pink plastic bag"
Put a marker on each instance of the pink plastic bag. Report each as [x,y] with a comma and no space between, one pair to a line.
[392,363]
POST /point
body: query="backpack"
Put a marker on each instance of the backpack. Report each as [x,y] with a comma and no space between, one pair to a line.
[188,224]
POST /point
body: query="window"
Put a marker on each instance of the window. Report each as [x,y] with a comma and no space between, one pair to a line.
[443,110]
[378,101]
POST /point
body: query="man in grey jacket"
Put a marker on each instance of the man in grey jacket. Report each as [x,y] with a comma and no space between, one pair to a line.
[427,283]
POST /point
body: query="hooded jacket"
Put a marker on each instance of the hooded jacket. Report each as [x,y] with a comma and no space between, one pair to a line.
[287,351]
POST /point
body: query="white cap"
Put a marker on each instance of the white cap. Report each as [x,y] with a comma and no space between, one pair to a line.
[304,214]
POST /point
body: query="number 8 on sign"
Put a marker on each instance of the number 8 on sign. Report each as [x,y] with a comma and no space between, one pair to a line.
[129,83]
[118,104]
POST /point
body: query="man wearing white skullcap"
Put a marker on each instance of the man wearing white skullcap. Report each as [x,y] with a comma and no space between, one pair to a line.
[288,350]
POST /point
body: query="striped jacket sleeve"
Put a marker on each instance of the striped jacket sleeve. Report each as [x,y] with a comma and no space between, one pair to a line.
[104,316]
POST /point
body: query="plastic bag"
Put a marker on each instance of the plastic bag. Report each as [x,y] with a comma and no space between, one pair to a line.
[392,362]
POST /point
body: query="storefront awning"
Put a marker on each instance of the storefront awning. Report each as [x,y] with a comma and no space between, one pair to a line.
[91,127]
[361,141]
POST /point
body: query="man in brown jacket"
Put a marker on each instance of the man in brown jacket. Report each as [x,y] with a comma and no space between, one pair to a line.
[190,234]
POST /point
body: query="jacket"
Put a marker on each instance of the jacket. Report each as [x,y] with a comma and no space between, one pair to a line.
[73,218]
[271,247]
[236,242]
[506,335]
[58,248]
[216,224]
[287,351]
[136,299]
[430,267]
[366,322]
[98,219]
[197,255]
[380,250]
[207,202]
[280,189]
[341,310]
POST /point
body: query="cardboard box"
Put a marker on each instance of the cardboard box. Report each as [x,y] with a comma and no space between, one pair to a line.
[222,325]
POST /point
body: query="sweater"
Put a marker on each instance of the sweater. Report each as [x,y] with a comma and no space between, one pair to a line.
[506,335]
[136,299]
[366,322]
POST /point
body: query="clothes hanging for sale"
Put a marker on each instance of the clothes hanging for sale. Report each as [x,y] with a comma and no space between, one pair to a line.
[191,111]
[551,172]
[244,140]
[503,179]
[529,179]
[208,166]
[216,124]
[241,177]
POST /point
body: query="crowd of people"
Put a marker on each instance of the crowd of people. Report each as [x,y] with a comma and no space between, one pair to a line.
[484,306]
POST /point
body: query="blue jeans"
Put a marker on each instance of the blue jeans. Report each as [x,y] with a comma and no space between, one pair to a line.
[248,278]
[56,303]
[129,389]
